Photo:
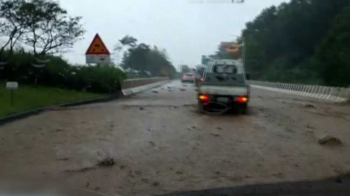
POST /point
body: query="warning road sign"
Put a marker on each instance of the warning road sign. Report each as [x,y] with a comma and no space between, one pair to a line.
[97,53]
[97,46]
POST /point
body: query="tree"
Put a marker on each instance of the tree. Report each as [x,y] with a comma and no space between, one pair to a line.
[146,59]
[138,58]
[333,54]
[128,41]
[50,29]
[12,26]
[282,40]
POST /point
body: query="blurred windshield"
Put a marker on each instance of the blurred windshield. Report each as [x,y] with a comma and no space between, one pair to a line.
[152,97]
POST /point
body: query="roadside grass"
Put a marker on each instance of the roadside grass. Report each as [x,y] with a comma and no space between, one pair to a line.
[29,97]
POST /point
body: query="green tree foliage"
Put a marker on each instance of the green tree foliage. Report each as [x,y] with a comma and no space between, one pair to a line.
[144,58]
[40,24]
[50,28]
[58,73]
[333,54]
[281,42]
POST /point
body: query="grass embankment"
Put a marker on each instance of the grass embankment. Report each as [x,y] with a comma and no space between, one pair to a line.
[28,98]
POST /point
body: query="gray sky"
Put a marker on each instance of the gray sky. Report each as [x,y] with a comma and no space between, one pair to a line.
[187,29]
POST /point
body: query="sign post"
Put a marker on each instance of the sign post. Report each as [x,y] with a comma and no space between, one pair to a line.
[12,86]
[98,53]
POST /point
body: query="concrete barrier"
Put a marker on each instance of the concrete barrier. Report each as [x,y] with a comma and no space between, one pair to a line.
[333,94]
[133,86]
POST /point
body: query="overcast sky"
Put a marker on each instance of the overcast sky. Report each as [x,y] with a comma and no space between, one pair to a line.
[187,29]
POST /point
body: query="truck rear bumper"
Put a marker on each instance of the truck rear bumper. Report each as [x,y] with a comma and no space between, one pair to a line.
[223,104]
[224,99]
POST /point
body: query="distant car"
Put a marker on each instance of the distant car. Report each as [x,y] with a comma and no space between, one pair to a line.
[188,77]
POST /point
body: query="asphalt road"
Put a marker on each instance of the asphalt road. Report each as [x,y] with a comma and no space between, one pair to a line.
[160,144]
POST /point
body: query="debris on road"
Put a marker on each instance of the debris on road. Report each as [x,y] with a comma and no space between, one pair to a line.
[152,143]
[182,89]
[138,172]
[179,172]
[155,91]
[145,180]
[278,175]
[63,159]
[330,141]
[219,128]
[155,183]
[122,167]
[215,134]
[107,162]
[141,108]
[309,106]
[85,169]
[97,188]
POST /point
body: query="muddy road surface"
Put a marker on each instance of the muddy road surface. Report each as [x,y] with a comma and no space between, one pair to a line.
[156,142]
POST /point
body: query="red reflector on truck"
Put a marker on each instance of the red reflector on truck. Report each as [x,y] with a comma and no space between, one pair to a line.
[242,99]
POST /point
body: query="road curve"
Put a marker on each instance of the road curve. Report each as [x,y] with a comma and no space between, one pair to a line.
[160,144]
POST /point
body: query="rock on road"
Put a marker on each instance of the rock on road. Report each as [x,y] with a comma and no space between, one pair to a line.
[160,144]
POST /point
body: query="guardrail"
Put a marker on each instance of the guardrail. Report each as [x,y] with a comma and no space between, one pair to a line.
[133,86]
[334,94]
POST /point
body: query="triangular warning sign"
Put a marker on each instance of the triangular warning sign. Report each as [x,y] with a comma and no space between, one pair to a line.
[97,46]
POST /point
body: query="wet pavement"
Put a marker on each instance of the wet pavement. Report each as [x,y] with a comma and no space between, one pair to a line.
[159,143]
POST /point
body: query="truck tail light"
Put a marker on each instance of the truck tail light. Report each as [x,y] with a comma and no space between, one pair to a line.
[242,99]
[204,98]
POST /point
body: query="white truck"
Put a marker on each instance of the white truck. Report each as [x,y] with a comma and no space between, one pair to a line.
[224,87]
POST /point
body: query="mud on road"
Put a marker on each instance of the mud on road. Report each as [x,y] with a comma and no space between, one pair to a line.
[156,142]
